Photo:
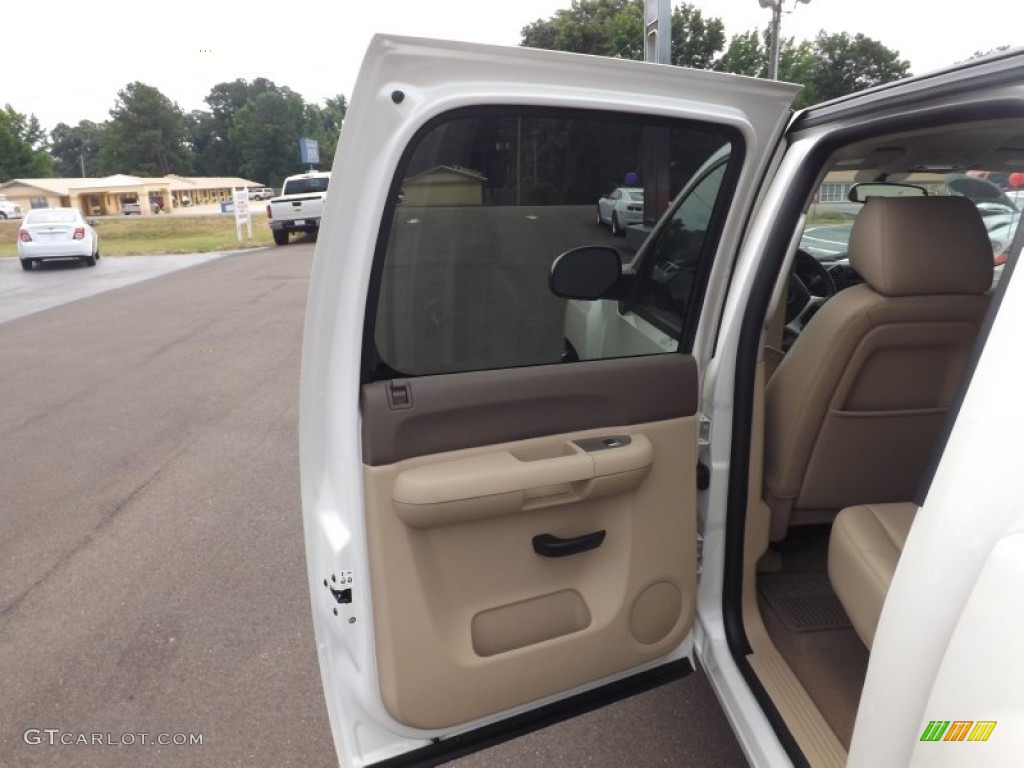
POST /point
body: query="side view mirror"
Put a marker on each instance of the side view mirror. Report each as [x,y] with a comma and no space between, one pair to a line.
[590,272]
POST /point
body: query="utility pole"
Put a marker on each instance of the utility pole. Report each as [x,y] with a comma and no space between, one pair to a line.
[658,31]
[655,152]
[776,32]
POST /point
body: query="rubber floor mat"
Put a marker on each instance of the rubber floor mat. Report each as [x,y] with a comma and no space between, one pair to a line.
[804,601]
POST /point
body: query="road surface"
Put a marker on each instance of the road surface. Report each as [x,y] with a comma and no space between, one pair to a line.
[152,575]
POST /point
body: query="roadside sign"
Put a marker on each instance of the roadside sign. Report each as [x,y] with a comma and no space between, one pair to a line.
[309,151]
[240,199]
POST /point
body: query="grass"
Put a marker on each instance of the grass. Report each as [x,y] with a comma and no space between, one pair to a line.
[823,214]
[148,235]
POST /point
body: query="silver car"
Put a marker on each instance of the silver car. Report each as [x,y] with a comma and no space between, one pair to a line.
[56,233]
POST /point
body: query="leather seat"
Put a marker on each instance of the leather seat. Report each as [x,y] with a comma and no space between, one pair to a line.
[853,411]
[863,552]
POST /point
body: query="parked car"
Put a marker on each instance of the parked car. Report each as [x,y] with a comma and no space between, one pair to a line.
[1002,229]
[9,210]
[133,208]
[261,193]
[56,234]
[500,534]
[621,207]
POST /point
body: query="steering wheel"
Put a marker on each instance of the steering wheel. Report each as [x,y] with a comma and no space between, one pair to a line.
[810,286]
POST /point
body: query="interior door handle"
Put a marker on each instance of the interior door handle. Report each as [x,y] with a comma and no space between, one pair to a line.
[547,545]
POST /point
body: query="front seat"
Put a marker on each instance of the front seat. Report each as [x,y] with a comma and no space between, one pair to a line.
[853,411]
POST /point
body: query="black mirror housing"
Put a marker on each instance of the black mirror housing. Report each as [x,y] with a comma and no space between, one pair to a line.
[590,272]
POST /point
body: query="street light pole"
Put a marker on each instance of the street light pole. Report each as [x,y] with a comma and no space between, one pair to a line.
[775,44]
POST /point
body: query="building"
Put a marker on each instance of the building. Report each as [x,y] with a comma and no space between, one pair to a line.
[445,185]
[107,196]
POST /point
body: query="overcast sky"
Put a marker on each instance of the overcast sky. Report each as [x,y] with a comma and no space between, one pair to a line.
[66,60]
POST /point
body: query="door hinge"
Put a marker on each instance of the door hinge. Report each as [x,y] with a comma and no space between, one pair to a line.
[703,430]
[399,395]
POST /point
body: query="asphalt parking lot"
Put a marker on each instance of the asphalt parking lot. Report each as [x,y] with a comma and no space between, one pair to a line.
[152,575]
[53,283]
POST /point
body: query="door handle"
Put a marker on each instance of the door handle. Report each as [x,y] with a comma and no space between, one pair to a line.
[547,545]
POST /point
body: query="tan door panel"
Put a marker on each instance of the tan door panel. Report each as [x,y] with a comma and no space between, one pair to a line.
[506,482]
[464,602]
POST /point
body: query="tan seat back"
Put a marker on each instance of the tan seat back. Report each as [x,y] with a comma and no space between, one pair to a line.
[854,409]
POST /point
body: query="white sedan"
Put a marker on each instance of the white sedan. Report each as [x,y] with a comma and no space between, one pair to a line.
[621,206]
[56,233]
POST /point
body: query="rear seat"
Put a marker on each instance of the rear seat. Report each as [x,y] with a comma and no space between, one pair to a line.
[863,551]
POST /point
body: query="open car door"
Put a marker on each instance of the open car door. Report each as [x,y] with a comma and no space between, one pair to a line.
[496,531]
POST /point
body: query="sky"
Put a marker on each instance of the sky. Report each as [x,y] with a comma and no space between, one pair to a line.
[185,47]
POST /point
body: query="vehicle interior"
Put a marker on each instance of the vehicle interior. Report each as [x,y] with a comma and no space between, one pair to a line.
[861,360]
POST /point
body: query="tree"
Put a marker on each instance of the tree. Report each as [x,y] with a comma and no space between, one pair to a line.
[210,152]
[145,135]
[217,154]
[324,125]
[746,55]
[23,145]
[695,41]
[75,147]
[989,52]
[266,133]
[848,64]
[616,28]
[797,64]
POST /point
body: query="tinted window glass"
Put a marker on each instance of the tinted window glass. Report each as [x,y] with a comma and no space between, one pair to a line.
[306,186]
[677,254]
[484,205]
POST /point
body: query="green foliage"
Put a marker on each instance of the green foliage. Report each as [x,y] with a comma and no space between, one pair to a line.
[828,67]
[848,64]
[210,132]
[145,135]
[695,41]
[73,147]
[23,146]
[266,132]
[989,52]
[616,28]
[323,123]
[601,27]
[746,55]
[797,64]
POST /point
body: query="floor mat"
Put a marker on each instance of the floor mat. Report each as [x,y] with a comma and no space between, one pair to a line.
[804,601]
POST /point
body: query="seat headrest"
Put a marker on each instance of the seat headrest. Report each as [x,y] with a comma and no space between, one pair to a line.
[916,246]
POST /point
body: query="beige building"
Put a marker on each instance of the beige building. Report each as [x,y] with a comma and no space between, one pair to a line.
[445,185]
[107,196]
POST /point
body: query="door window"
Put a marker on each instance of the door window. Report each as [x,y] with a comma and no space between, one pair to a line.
[483,203]
[668,286]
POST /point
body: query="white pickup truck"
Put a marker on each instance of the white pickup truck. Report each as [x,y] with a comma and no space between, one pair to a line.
[298,207]
[9,210]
